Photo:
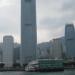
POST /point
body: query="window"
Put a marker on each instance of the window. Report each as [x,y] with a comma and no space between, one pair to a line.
[28,24]
[27,0]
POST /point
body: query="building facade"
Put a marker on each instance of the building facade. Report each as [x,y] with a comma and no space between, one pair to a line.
[1,55]
[1,52]
[16,53]
[8,45]
[43,50]
[56,49]
[28,31]
[70,40]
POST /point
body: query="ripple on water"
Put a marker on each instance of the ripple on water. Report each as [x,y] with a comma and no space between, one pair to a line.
[67,72]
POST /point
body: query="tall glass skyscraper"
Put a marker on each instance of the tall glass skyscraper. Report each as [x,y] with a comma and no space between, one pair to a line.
[28,31]
[70,40]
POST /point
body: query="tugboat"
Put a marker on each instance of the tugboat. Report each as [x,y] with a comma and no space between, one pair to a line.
[45,65]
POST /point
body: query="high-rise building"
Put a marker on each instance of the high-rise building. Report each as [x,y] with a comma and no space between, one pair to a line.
[28,31]
[16,53]
[63,47]
[8,45]
[70,40]
[1,55]
[1,52]
[56,49]
[43,50]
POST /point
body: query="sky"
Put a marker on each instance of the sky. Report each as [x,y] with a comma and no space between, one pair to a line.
[51,18]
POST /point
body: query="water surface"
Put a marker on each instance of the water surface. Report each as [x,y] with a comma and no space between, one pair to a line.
[67,72]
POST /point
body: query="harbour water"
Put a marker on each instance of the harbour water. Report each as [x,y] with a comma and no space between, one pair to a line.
[66,72]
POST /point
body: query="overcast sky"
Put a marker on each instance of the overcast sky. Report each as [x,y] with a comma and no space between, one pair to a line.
[52,15]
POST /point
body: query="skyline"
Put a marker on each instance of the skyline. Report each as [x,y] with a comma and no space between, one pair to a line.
[51,15]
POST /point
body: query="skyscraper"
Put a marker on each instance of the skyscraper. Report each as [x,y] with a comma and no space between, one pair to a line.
[70,40]
[28,31]
[8,46]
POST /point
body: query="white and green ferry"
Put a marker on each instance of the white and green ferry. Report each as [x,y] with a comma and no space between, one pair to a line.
[44,65]
[51,65]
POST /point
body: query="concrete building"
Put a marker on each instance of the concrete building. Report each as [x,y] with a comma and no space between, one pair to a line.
[8,45]
[56,49]
[1,45]
[28,31]
[63,47]
[43,50]
[1,52]
[1,55]
[70,40]
[16,53]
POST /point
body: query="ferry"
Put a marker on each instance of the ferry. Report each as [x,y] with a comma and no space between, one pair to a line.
[45,65]
[32,66]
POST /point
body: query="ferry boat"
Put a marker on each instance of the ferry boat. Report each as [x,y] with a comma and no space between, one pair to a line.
[45,65]
[51,65]
[32,66]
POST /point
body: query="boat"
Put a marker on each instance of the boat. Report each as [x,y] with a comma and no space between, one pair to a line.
[45,65]
[32,66]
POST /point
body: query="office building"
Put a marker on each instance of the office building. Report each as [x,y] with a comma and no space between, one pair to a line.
[8,45]
[56,49]
[28,31]
[1,55]
[1,52]
[16,53]
[70,40]
[43,50]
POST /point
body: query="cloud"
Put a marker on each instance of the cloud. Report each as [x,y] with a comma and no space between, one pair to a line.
[10,18]
[4,3]
[43,35]
[69,5]
[52,15]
